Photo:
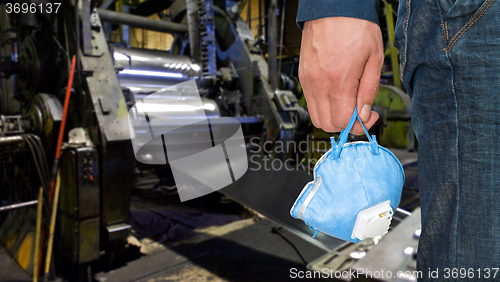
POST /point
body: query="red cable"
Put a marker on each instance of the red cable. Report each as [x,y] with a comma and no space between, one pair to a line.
[58,152]
[61,128]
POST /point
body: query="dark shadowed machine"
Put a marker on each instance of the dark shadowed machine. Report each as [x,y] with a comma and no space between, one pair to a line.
[237,74]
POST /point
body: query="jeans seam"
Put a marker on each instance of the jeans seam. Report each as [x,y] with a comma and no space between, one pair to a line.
[405,38]
[442,26]
[457,246]
[472,21]
[446,28]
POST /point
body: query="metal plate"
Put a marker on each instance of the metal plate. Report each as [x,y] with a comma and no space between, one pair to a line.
[103,83]
[272,193]
[392,253]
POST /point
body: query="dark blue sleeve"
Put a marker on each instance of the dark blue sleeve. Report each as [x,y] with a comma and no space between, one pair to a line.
[315,9]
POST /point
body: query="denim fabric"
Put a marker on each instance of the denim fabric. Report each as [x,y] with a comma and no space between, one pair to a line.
[450,65]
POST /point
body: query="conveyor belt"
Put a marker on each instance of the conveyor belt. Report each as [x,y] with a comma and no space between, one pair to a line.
[273,192]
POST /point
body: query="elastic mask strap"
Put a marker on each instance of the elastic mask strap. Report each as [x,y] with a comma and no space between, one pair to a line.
[316,231]
[338,146]
[372,139]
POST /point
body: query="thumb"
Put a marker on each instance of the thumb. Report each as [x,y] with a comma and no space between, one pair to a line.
[368,87]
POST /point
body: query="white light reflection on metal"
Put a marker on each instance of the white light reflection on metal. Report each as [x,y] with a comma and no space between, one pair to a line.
[120,57]
[139,58]
[146,107]
[418,232]
[409,250]
[151,73]
[209,107]
[358,255]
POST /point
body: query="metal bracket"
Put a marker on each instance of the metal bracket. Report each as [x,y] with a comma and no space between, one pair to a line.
[286,100]
[91,27]
[11,124]
[86,35]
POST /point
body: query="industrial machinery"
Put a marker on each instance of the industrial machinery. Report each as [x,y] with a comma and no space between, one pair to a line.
[212,45]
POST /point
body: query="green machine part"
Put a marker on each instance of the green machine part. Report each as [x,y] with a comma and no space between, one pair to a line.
[79,208]
[393,129]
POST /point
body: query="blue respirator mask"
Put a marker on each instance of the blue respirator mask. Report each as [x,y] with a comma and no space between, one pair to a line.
[356,189]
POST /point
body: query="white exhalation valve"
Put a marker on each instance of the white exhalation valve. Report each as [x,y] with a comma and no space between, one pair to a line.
[373,221]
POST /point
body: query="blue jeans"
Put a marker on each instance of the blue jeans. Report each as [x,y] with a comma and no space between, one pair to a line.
[450,65]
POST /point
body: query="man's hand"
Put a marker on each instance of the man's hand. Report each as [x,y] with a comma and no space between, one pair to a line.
[340,64]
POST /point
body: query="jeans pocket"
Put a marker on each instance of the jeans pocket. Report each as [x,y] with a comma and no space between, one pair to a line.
[460,17]
[460,8]
[446,5]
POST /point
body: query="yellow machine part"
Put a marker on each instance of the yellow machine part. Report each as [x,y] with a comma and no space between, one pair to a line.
[17,235]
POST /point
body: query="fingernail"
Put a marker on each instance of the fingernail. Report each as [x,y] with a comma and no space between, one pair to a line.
[365,112]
